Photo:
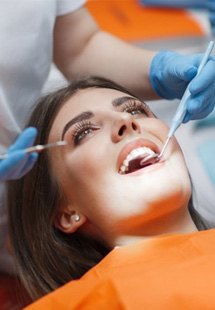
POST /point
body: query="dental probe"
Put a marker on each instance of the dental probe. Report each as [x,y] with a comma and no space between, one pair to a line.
[181,110]
[38,148]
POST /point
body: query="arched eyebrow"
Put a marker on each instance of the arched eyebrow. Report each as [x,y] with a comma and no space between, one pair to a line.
[89,114]
[119,101]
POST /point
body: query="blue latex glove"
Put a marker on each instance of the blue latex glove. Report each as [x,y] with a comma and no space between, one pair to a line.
[18,162]
[170,74]
[175,3]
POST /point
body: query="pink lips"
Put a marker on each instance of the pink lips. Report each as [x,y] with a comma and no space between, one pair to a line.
[133,145]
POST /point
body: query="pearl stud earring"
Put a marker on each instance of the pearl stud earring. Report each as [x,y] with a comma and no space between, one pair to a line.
[76,217]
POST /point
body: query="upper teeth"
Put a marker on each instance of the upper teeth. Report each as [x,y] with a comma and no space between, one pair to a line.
[134,154]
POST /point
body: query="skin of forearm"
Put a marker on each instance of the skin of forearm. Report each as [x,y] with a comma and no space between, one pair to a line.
[110,57]
[81,48]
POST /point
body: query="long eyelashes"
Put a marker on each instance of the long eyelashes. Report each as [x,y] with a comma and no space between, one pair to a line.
[81,130]
[136,107]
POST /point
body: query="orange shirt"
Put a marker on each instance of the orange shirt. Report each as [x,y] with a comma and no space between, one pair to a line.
[171,272]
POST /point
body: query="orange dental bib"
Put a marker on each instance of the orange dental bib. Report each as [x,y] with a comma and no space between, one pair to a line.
[170,272]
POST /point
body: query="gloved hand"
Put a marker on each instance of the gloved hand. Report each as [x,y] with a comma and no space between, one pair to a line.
[170,73]
[18,162]
[175,3]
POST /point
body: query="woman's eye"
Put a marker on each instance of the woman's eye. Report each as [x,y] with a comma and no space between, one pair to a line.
[135,108]
[82,131]
[134,111]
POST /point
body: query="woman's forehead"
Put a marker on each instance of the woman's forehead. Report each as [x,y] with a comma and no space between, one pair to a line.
[93,97]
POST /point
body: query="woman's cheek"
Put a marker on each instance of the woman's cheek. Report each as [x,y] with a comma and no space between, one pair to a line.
[86,162]
[156,127]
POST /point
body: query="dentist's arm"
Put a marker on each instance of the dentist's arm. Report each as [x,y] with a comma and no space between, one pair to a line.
[81,48]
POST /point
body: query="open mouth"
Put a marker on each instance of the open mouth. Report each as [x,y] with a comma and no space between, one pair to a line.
[139,158]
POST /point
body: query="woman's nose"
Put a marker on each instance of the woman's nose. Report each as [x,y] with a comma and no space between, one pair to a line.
[124,124]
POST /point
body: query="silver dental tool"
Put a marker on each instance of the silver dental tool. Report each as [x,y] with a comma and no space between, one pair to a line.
[181,110]
[38,148]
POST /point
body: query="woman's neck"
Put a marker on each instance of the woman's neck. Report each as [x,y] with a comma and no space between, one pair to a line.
[179,222]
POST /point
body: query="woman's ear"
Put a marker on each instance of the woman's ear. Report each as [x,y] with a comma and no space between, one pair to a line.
[69,221]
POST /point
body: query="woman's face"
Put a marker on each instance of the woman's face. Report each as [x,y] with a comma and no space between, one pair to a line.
[105,129]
